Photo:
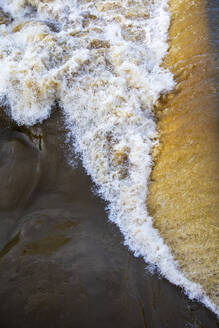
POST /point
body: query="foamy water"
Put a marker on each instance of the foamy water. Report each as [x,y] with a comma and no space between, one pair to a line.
[101,61]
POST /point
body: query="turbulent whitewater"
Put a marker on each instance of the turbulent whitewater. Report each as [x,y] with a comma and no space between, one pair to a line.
[101,61]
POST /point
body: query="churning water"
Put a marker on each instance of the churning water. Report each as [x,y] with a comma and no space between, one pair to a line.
[101,61]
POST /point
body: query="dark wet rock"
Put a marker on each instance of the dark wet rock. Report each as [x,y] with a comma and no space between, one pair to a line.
[19,173]
[34,135]
[62,263]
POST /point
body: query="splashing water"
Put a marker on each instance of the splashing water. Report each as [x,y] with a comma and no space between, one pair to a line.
[101,61]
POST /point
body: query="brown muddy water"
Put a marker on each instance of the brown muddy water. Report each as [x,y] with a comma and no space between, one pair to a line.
[62,264]
[184,192]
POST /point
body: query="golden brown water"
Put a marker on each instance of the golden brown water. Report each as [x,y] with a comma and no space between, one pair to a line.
[184,192]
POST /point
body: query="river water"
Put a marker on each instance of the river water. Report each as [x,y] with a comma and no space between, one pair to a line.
[98,67]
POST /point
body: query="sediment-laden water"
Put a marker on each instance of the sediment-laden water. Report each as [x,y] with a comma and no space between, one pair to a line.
[100,64]
[185,189]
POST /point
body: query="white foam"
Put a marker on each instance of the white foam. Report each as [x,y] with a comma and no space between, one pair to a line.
[103,67]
